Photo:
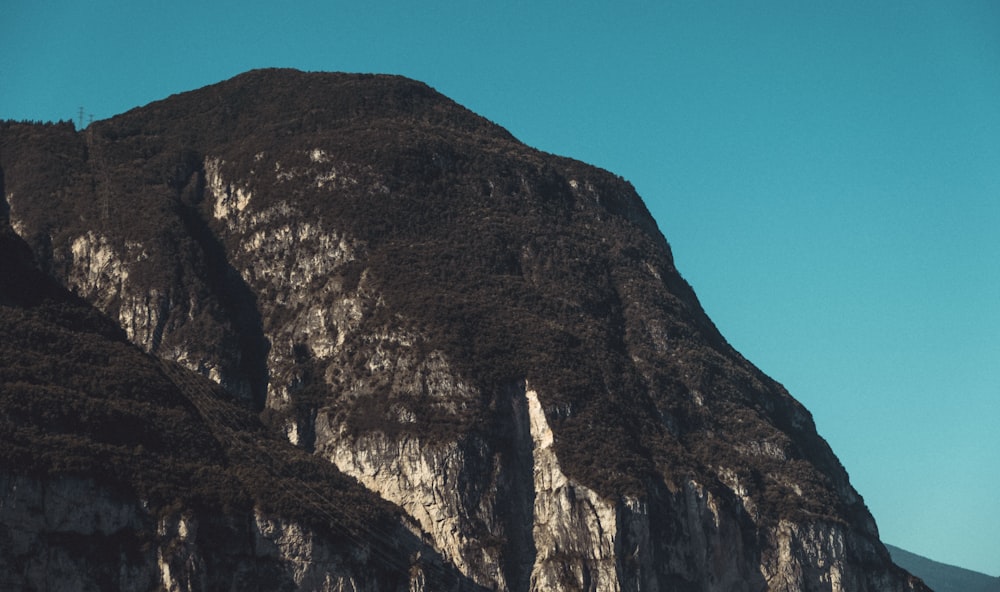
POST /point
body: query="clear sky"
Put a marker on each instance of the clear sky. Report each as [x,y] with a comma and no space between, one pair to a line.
[828,174]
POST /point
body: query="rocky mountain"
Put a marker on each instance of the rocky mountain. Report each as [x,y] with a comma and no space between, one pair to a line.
[476,358]
[119,471]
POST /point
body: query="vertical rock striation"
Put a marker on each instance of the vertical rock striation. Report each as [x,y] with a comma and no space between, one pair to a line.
[493,339]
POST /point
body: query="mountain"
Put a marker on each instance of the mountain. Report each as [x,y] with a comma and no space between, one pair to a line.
[124,472]
[484,347]
[942,577]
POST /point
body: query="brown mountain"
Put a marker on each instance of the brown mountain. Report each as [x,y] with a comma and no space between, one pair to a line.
[493,341]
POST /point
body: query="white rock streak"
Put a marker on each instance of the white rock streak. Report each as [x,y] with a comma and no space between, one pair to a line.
[228,199]
[574,529]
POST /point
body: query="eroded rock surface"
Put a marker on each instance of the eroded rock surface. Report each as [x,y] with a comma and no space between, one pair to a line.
[493,339]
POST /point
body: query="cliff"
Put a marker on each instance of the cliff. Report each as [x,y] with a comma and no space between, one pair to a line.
[492,340]
[119,471]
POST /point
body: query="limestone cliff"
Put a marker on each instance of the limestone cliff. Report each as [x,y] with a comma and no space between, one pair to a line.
[492,339]
[119,472]
[73,534]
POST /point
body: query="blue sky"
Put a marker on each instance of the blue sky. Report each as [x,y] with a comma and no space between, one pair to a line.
[827,173]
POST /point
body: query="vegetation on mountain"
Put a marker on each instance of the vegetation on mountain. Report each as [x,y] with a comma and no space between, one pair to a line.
[450,241]
[76,399]
[478,243]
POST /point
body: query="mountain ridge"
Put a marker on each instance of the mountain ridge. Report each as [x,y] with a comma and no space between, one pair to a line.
[942,577]
[395,284]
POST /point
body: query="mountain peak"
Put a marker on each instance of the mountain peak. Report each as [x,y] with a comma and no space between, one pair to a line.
[492,339]
[286,101]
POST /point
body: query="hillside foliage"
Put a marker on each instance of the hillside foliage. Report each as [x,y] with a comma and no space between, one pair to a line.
[515,264]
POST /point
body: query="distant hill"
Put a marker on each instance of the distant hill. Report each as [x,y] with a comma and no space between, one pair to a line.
[942,577]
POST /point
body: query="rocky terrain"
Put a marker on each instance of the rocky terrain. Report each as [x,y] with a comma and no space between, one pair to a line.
[124,472]
[350,289]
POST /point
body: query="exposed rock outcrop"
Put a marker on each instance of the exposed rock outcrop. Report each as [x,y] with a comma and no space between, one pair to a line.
[493,339]
[71,533]
[120,472]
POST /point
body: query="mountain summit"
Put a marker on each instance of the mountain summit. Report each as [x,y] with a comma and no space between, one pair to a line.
[485,348]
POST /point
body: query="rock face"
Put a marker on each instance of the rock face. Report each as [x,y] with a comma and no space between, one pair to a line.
[72,534]
[491,339]
[120,472]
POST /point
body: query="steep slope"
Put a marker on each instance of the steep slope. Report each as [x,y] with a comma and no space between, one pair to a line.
[493,338]
[119,472]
